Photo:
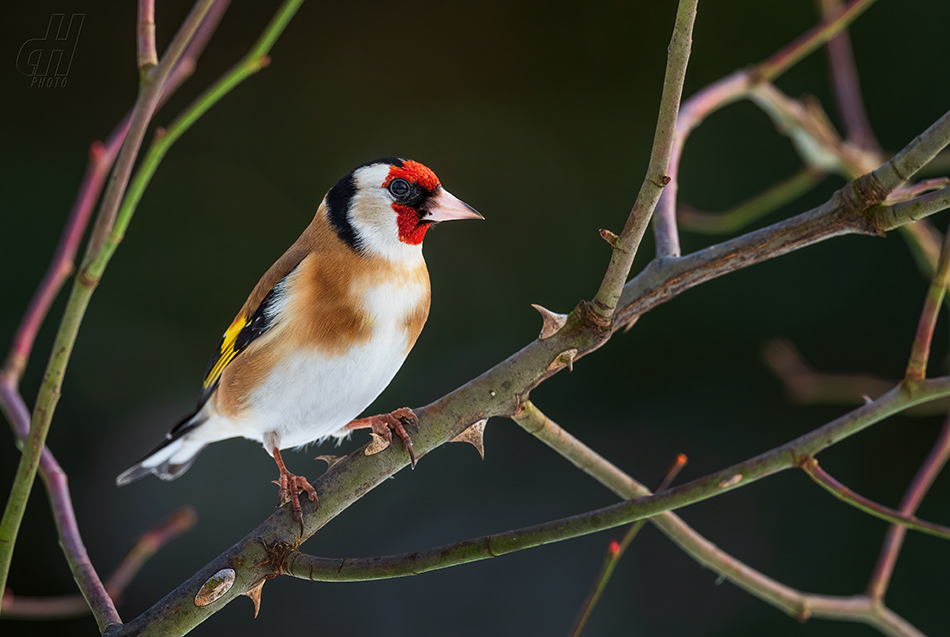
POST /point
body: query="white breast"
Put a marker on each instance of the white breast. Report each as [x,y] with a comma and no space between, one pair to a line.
[310,396]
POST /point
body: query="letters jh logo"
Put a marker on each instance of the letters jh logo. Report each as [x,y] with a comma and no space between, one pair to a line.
[47,60]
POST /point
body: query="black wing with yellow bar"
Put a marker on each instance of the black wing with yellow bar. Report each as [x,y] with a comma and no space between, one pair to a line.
[242,332]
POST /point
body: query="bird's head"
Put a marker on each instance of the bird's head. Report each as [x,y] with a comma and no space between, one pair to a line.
[385,207]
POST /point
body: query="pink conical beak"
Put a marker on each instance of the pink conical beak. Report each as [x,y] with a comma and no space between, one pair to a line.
[448,207]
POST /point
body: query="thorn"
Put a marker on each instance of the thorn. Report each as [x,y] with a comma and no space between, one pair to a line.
[867,399]
[216,586]
[565,358]
[255,595]
[609,237]
[552,324]
[475,436]
[330,460]
[376,445]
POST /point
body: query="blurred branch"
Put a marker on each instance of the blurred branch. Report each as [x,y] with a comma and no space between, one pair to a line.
[752,209]
[847,88]
[806,386]
[918,488]
[63,606]
[735,87]
[793,53]
[616,550]
[626,245]
[920,352]
[843,493]
[30,460]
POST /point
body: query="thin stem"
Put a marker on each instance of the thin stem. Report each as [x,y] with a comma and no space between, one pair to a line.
[894,538]
[76,306]
[843,493]
[920,351]
[147,56]
[625,248]
[63,606]
[918,208]
[616,550]
[847,88]
[751,210]
[811,40]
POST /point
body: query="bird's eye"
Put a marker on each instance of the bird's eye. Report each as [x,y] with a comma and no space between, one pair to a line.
[399,188]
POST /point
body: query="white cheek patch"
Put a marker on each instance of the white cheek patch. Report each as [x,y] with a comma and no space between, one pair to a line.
[375,221]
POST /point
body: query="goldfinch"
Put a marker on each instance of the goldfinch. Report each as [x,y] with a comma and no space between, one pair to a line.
[325,329]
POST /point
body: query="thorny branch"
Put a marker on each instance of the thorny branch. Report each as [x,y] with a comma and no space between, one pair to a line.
[860,208]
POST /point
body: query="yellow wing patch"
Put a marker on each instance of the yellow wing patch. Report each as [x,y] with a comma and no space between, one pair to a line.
[227,351]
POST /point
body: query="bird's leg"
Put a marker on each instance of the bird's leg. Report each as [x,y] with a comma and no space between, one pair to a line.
[384,425]
[290,488]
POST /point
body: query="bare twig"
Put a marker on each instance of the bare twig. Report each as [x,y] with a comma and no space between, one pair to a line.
[616,550]
[843,493]
[847,89]
[894,538]
[147,56]
[811,40]
[737,86]
[920,352]
[625,248]
[63,606]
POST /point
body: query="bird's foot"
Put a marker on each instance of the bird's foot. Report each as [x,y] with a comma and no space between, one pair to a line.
[289,488]
[384,425]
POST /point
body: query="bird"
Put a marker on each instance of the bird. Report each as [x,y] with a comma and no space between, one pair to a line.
[325,329]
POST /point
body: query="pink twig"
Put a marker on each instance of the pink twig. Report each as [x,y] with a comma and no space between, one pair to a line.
[920,351]
[62,606]
[726,91]
[692,113]
[918,488]
[847,88]
[147,55]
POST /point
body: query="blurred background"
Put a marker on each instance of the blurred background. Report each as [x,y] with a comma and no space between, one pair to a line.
[541,115]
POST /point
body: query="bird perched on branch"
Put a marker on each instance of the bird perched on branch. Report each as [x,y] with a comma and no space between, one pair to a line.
[325,329]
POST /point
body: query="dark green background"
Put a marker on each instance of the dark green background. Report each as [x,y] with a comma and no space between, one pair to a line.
[541,116]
